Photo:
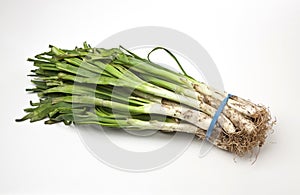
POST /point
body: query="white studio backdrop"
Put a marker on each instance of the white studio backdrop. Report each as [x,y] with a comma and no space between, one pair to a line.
[255,45]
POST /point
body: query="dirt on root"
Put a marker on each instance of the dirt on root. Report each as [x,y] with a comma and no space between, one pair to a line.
[242,142]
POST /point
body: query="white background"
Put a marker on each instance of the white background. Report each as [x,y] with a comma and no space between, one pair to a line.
[255,45]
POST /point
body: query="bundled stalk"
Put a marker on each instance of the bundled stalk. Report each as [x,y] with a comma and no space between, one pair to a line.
[117,88]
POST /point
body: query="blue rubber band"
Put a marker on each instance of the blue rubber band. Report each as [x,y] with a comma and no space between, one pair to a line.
[216,116]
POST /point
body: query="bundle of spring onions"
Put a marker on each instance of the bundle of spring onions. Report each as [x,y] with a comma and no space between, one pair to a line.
[117,88]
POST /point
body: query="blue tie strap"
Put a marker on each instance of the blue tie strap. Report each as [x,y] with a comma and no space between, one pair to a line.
[216,116]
